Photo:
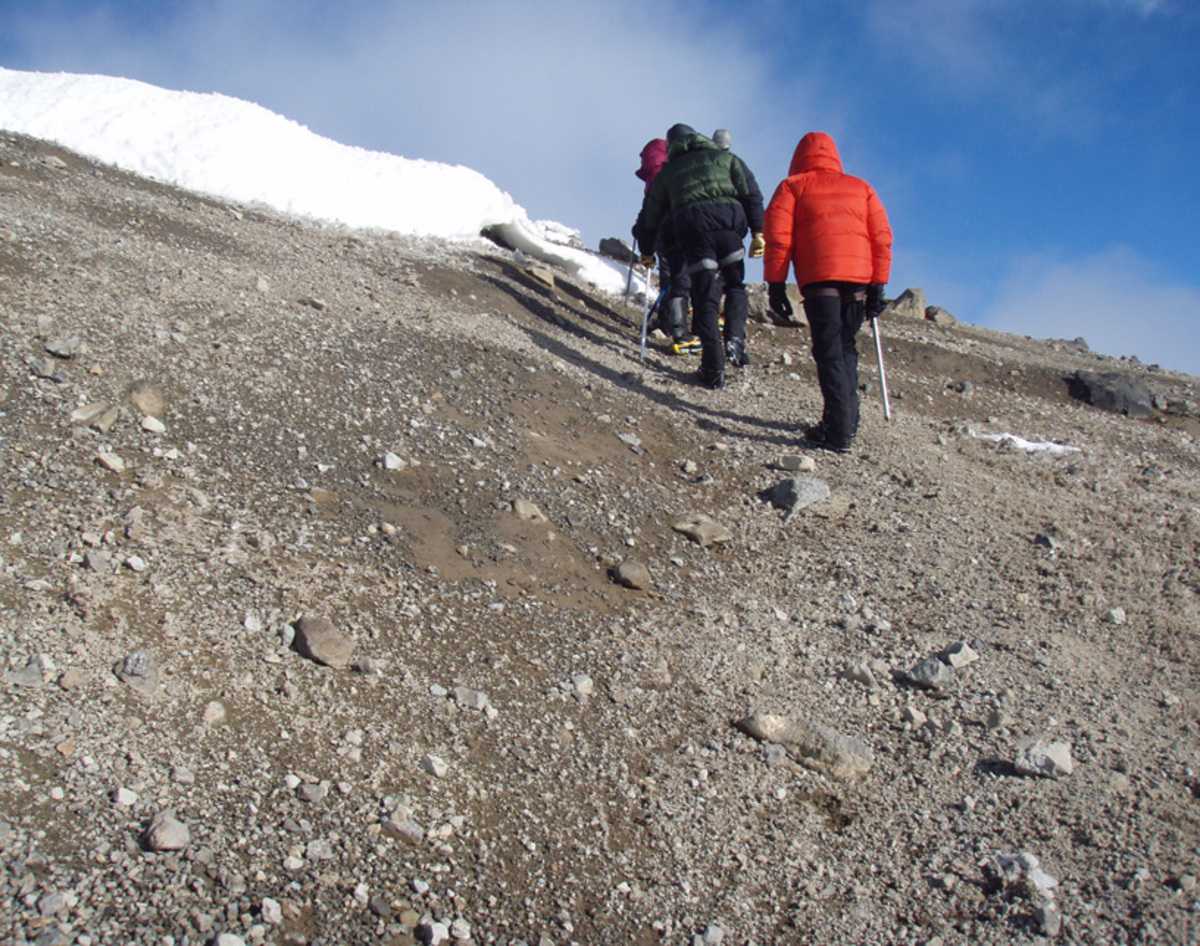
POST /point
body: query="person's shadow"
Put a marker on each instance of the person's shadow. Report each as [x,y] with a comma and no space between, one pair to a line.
[601,325]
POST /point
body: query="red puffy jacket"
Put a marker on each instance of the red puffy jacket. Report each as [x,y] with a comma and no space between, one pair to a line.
[653,156]
[827,224]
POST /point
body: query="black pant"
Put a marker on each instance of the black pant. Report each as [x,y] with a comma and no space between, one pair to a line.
[707,288]
[671,313]
[712,235]
[835,312]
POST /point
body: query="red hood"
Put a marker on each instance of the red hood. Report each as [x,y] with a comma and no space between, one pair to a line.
[816,152]
[654,156]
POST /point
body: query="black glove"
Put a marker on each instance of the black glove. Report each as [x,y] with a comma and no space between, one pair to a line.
[778,298]
[875,304]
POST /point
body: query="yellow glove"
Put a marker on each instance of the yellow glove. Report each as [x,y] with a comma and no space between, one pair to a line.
[647,261]
[758,246]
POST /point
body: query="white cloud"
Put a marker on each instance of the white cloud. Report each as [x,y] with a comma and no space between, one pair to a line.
[1115,299]
[1003,52]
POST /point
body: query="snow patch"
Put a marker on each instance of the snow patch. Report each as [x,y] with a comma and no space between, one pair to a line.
[239,151]
[1014,442]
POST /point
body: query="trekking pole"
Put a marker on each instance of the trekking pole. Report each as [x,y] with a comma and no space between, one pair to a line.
[629,277]
[887,405]
[650,303]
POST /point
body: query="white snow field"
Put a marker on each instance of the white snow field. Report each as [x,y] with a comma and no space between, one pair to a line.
[230,148]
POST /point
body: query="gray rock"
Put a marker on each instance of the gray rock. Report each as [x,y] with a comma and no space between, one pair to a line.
[1023,873]
[312,793]
[702,530]
[1044,759]
[318,640]
[31,676]
[139,671]
[910,303]
[107,420]
[616,249]
[713,935]
[633,574]
[931,674]
[110,461]
[52,904]
[861,673]
[1115,616]
[435,766]
[148,398]
[272,912]
[1113,392]
[124,797]
[431,933]
[65,346]
[214,713]
[939,316]
[71,680]
[543,274]
[46,369]
[368,666]
[166,833]
[794,463]
[88,412]
[796,493]
[468,698]
[818,747]
[1049,919]
[528,511]
[97,561]
[959,654]
[759,306]
[313,303]
[380,907]
[913,716]
[404,829]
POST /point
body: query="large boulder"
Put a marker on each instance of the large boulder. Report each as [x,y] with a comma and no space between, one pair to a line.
[911,302]
[759,308]
[702,529]
[939,316]
[617,249]
[319,641]
[1113,392]
[814,745]
[796,493]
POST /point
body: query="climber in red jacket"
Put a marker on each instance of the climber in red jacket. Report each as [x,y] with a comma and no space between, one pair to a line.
[831,228]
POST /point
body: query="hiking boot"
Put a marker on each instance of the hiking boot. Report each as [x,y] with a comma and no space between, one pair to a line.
[714,381]
[736,354]
[818,436]
[688,345]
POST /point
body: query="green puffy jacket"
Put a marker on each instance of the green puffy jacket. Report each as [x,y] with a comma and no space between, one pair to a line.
[698,172]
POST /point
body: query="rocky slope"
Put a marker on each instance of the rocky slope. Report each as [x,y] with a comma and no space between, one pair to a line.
[310,632]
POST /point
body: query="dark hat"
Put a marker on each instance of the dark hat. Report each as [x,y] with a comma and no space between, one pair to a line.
[679,132]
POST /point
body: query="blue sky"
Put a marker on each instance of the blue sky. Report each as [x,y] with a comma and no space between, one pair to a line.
[1038,159]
